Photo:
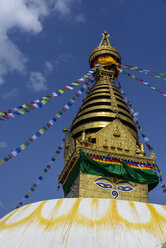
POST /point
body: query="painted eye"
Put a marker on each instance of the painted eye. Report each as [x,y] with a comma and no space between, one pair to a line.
[104,185]
[125,188]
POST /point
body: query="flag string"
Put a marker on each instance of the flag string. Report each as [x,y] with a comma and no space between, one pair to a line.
[143,82]
[38,103]
[50,123]
[42,175]
[147,72]
[145,138]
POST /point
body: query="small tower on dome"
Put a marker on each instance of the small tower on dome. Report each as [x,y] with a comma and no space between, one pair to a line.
[103,155]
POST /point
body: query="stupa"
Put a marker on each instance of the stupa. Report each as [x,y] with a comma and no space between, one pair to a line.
[106,178]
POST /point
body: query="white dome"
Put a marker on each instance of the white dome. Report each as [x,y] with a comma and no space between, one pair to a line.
[87,222]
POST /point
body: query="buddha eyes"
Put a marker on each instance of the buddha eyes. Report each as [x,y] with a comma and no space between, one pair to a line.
[125,188]
[104,185]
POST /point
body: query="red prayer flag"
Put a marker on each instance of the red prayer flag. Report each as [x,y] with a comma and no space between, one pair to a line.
[51,96]
[66,88]
[64,110]
[48,125]
[31,140]
[31,107]
[10,155]
[10,111]
[6,116]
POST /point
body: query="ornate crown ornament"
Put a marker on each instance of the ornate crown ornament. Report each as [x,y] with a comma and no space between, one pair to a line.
[104,53]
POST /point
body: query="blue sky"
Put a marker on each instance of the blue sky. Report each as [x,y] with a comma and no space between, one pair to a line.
[45,45]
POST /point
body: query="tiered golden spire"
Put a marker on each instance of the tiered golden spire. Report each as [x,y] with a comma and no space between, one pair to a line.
[103,126]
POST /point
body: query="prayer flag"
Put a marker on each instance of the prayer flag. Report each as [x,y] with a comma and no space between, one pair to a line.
[41,131]
[34,137]
[54,119]
[18,150]
[23,147]
[10,156]
[14,153]
[51,122]
[1,162]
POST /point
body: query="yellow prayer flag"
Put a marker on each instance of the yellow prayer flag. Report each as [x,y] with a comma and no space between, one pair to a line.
[132,76]
[122,91]
[55,155]
[44,97]
[153,88]
[22,146]
[43,174]
[21,111]
[84,86]
[57,115]
[1,113]
[71,100]
[24,106]
[41,131]
[1,161]
[157,76]
[61,91]
[43,101]
[74,83]
[29,193]
[140,130]
[132,110]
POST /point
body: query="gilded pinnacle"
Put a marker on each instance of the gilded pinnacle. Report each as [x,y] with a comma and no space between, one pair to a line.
[105,39]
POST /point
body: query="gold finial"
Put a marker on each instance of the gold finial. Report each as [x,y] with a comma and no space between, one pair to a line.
[105,39]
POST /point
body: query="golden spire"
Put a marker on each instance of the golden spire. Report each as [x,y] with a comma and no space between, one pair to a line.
[105,39]
[104,128]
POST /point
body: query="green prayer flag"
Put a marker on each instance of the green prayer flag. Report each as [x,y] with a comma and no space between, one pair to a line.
[45,170]
[164,190]
[58,152]
[6,159]
[45,128]
[32,189]
[27,109]
[60,112]
[27,143]
[48,100]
